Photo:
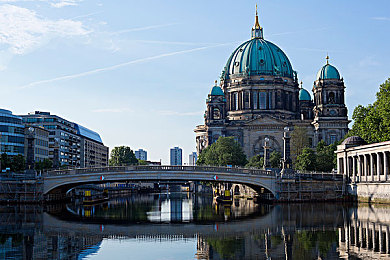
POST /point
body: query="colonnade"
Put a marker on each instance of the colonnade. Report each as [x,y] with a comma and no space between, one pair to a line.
[364,238]
[365,167]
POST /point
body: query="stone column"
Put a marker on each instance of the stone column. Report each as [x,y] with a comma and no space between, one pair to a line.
[360,234]
[372,166]
[353,169]
[378,166]
[365,167]
[359,168]
[385,167]
[345,165]
[380,239]
[387,240]
[367,236]
[373,236]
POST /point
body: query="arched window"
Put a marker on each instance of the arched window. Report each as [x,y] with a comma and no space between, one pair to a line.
[262,100]
[331,98]
[216,113]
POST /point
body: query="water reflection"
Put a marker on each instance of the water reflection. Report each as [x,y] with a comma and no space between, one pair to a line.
[184,226]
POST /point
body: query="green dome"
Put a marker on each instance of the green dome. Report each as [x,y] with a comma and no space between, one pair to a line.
[328,72]
[304,95]
[217,91]
[258,57]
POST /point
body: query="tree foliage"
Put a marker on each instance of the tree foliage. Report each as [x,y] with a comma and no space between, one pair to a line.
[256,161]
[15,163]
[299,140]
[121,156]
[372,123]
[306,161]
[225,151]
[326,159]
[274,159]
[43,165]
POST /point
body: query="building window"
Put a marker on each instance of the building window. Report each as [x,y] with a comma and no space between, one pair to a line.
[270,100]
[235,101]
[216,113]
[333,139]
[255,99]
[262,100]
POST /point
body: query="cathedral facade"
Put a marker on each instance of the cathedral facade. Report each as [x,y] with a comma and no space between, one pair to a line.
[259,96]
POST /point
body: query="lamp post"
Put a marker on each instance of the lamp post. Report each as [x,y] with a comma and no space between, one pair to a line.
[286,150]
[266,153]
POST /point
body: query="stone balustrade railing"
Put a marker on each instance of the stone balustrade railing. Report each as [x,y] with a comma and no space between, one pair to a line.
[161,168]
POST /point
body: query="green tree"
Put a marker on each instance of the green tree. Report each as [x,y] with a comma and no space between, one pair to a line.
[121,156]
[299,140]
[225,151]
[18,163]
[256,161]
[274,159]
[5,161]
[43,165]
[326,159]
[306,161]
[372,123]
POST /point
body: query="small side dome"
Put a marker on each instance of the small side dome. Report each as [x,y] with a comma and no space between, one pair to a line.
[217,91]
[304,95]
[328,72]
[354,141]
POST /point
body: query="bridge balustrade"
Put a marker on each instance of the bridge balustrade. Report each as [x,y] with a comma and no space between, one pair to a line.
[138,168]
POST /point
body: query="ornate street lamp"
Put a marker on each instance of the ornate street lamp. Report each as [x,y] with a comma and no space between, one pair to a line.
[286,149]
[266,153]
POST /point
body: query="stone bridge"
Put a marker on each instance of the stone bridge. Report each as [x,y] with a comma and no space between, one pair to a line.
[57,183]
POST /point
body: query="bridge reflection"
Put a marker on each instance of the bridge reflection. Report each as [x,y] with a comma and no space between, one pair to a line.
[288,231]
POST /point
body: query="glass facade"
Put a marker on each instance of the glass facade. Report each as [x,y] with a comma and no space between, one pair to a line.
[11,133]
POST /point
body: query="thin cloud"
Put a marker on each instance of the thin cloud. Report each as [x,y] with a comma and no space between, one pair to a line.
[176,113]
[22,29]
[109,68]
[381,18]
[144,28]
[176,43]
[112,110]
[301,31]
[85,15]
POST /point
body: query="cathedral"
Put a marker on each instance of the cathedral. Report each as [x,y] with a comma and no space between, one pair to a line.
[259,96]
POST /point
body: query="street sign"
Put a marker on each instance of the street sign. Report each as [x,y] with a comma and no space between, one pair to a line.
[215,177]
[101,177]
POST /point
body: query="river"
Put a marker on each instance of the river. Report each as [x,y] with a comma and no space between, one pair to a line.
[188,226]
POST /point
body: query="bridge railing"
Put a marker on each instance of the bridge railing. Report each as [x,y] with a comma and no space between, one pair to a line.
[160,168]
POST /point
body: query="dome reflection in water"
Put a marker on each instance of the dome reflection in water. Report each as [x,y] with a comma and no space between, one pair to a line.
[185,226]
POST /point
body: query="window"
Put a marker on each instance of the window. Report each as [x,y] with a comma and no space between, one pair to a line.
[270,100]
[255,99]
[216,113]
[262,100]
[235,101]
[333,139]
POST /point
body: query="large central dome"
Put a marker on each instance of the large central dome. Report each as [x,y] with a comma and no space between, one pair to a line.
[258,57]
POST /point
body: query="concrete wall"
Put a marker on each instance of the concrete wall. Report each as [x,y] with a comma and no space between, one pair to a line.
[371,192]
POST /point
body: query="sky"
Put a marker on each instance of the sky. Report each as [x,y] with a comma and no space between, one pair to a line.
[138,72]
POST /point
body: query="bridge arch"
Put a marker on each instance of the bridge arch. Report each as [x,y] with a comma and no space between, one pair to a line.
[56,183]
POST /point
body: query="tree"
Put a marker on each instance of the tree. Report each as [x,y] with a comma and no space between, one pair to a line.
[274,159]
[299,140]
[256,161]
[18,163]
[225,151]
[306,161]
[5,161]
[372,123]
[326,158]
[43,165]
[121,156]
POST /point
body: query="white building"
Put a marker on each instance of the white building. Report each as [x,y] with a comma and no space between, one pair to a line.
[176,156]
[192,158]
[141,155]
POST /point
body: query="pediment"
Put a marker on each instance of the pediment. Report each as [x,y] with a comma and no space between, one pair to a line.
[267,120]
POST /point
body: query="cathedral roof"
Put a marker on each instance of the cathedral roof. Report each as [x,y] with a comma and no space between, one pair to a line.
[328,71]
[217,91]
[304,95]
[258,57]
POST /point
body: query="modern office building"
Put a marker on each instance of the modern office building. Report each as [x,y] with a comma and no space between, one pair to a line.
[192,158]
[69,143]
[141,155]
[176,156]
[93,152]
[36,145]
[11,133]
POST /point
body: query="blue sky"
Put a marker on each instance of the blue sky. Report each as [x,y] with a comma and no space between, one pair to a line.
[138,72]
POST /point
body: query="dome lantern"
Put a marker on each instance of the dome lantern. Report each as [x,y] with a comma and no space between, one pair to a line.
[257,30]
